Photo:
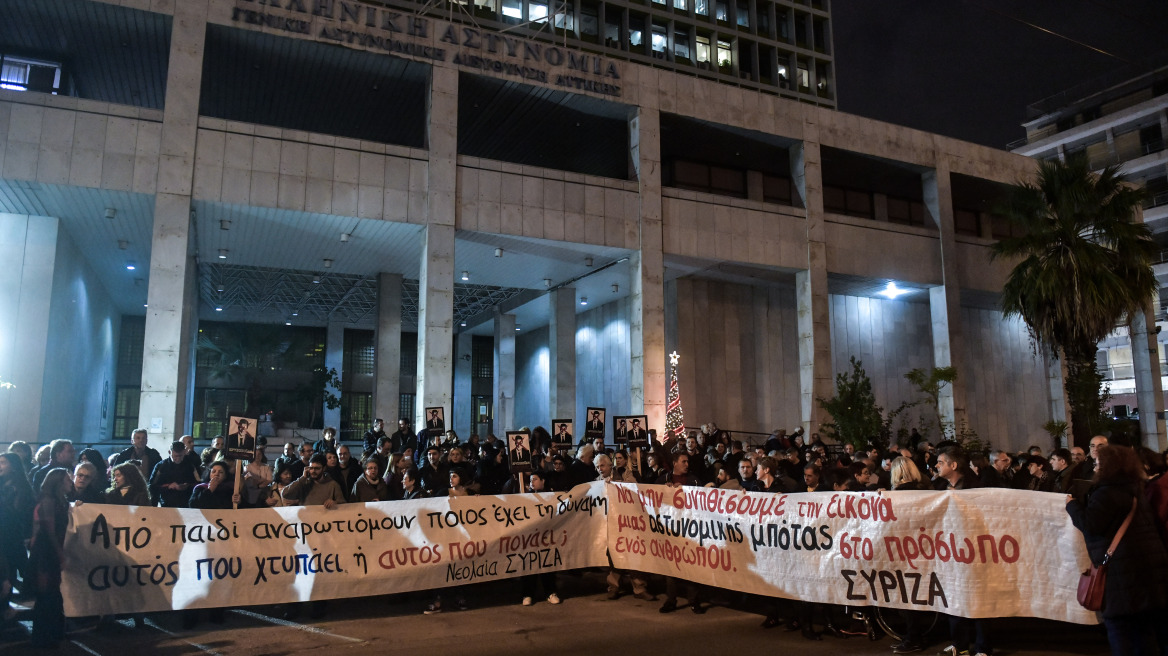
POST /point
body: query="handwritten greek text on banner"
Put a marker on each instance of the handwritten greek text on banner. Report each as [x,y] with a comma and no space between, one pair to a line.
[976,553]
[126,559]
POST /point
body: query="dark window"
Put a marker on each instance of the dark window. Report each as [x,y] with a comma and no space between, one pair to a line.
[405,406]
[852,202]
[482,362]
[966,222]
[906,212]
[776,189]
[409,353]
[360,353]
[126,412]
[356,413]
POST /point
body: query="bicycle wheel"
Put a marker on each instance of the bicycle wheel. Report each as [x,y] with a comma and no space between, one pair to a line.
[895,625]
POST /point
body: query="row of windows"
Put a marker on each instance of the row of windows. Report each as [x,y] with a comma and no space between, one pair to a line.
[25,74]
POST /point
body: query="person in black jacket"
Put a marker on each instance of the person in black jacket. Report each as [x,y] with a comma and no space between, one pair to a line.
[1135,594]
[172,479]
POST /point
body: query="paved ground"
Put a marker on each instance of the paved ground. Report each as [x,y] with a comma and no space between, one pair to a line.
[587,622]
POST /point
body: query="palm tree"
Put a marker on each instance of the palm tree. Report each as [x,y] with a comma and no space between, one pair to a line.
[1084,264]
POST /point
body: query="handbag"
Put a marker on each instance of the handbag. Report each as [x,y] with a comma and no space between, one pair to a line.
[1094,580]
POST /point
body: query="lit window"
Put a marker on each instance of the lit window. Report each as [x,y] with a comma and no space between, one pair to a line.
[537,13]
[703,49]
[724,57]
[513,9]
[681,44]
[680,4]
[659,39]
[702,7]
[720,11]
[20,74]
[565,16]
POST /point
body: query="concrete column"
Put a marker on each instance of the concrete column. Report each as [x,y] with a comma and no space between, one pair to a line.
[504,370]
[945,299]
[387,345]
[647,270]
[334,358]
[436,281]
[1149,390]
[463,409]
[28,248]
[562,353]
[435,321]
[165,358]
[814,320]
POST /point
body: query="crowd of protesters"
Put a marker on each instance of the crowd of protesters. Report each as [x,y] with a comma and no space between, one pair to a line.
[1102,485]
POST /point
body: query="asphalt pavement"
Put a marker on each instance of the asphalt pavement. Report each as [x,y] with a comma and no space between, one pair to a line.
[495,623]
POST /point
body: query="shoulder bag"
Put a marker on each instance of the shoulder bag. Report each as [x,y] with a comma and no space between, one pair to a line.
[1093,581]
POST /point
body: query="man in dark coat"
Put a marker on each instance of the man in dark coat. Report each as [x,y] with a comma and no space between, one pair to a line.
[172,479]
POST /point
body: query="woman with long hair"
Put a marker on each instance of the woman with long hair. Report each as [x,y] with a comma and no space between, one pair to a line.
[127,487]
[47,550]
[1135,594]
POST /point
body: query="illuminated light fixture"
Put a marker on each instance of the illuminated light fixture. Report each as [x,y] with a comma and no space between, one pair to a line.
[223,253]
[583,300]
[345,236]
[219,288]
[315,280]
[463,324]
[110,213]
[328,264]
[122,244]
[130,266]
[498,252]
[287,323]
[465,276]
[224,224]
[892,291]
[587,261]
[295,314]
[218,309]
[615,288]
[145,305]
[517,327]
[547,282]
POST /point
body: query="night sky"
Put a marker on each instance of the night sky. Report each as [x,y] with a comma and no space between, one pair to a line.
[966,69]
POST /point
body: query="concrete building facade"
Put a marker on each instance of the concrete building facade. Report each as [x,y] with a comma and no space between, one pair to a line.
[1119,120]
[474,205]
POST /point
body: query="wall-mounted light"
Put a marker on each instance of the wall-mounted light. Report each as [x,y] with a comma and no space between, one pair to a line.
[517,327]
[287,323]
[316,280]
[219,288]
[465,276]
[583,300]
[130,266]
[547,282]
[345,236]
[587,261]
[498,252]
[122,244]
[615,288]
[892,291]
[224,224]
[223,253]
[110,213]
[218,309]
[328,264]
[463,324]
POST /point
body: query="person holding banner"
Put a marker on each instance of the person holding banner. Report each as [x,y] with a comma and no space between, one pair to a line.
[370,487]
[547,580]
[1135,592]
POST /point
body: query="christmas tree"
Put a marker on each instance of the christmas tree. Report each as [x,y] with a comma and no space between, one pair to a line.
[674,417]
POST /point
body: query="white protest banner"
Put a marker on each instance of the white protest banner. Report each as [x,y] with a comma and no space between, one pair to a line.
[124,559]
[975,553]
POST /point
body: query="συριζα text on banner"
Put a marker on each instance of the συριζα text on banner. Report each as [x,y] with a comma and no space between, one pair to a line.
[123,559]
[975,553]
